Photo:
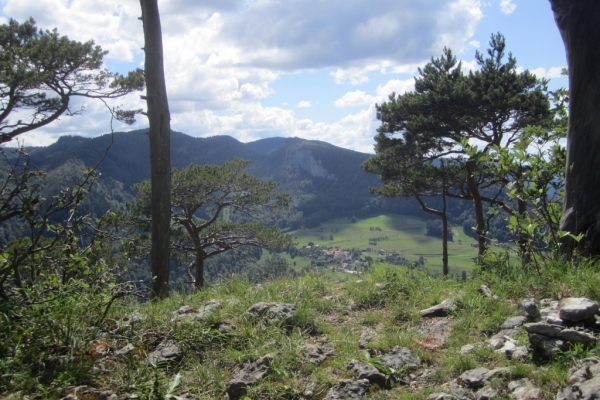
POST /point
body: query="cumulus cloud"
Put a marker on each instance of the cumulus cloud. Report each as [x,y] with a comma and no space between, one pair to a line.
[361,98]
[507,6]
[304,104]
[553,72]
[222,56]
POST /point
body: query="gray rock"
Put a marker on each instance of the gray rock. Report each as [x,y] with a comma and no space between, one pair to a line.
[590,389]
[574,336]
[486,393]
[309,392]
[474,378]
[363,370]
[226,328]
[513,322]
[505,371]
[523,389]
[129,320]
[166,352]
[466,349]
[251,373]
[545,346]
[485,290]
[508,349]
[441,396]
[123,351]
[584,362]
[577,309]
[254,371]
[520,353]
[188,314]
[440,310]
[274,313]
[317,353]
[206,310]
[529,309]
[566,394]
[347,389]
[542,328]
[364,339]
[497,342]
[400,357]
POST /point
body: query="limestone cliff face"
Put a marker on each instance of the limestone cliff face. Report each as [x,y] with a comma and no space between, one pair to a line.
[303,160]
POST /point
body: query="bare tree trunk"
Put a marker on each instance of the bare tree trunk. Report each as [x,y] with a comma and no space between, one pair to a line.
[444,237]
[199,269]
[442,215]
[478,204]
[160,148]
[578,23]
[524,245]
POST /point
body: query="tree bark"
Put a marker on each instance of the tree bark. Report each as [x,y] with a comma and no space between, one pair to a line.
[578,23]
[442,215]
[199,269]
[478,204]
[160,152]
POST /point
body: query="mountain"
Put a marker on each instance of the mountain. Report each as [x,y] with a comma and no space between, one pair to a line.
[325,181]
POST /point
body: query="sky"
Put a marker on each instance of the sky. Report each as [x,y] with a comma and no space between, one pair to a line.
[314,69]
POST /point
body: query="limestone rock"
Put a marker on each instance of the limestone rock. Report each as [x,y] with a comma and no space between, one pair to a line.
[513,322]
[365,337]
[251,373]
[347,389]
[520,353]
[274,313]
[529,309]
[466,349]
[474,378]
[575,309]
[166,352]
[523,389]
[363,370]
[400,357]
[485,290]
[317,353]
[545,346]
[486,393]
[545,329]
[440,310]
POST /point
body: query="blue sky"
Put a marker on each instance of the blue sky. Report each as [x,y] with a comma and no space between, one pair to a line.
[309,68]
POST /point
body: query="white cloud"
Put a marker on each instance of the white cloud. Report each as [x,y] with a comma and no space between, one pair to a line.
[507,6]
[222,57]
[475,44]
[304,104]
[361,98]
[353,99]
[554,72]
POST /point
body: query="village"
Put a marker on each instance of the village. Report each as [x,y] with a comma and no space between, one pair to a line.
[352,261]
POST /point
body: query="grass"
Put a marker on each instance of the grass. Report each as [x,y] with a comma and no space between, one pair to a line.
[406,235]
[386,302]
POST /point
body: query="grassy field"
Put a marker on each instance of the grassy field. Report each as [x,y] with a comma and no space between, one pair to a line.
[405,234]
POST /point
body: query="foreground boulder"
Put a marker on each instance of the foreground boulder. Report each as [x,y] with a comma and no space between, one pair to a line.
[280,314]
[251,373]
[347,389]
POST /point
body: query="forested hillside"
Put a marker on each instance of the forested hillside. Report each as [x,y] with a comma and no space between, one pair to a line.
[325,181]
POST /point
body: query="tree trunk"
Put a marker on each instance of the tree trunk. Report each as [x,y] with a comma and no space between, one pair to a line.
[478,204]
[578,23]
[160,151]
[444,237]
[523,235]
[442,215]
[199,270]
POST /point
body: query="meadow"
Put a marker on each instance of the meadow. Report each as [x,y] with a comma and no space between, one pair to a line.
[405,234]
